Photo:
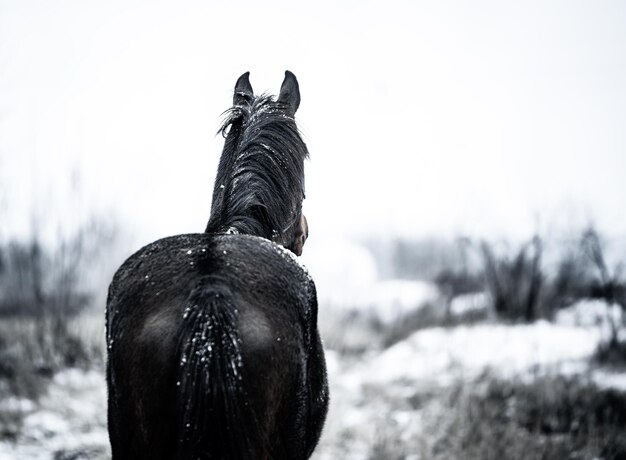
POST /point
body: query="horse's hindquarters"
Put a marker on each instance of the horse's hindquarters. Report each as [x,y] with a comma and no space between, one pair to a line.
[142,391]
[246,305]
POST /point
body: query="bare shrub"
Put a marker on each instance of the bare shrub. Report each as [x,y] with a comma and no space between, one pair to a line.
[570,282]
[39,279]
[44,299]
[515,283]
[521,287]
[609,284]
[459,282]
[611,353]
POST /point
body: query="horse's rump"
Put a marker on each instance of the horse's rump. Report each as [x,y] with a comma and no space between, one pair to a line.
[214,337]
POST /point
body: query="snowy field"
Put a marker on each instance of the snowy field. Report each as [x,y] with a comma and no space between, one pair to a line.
[368,392]
[389,400]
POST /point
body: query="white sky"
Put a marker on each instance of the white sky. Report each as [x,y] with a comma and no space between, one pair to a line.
[422,118]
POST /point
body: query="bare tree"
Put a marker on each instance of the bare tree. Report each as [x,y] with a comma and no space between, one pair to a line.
[610,284]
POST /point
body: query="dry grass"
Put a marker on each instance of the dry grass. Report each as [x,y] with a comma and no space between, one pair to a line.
[33,349]
[550,418]
[612,353]
[353,332]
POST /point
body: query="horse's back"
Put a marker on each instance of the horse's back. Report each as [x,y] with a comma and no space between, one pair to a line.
[270,301]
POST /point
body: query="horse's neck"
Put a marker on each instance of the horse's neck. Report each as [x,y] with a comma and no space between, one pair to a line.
[252,193]
[242,221]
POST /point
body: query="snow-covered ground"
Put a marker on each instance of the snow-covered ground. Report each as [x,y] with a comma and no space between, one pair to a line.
[367,392]
[374,392]
[443,355]
[364,391]
[68,422]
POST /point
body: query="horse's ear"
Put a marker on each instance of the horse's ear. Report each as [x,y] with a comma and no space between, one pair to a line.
[290,92]
[243,90]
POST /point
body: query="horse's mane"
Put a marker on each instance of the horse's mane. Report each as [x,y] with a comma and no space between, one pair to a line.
[259,186]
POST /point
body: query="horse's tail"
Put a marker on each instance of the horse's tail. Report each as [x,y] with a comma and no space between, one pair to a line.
[213,407]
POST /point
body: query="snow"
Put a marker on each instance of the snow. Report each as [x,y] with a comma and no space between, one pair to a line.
[373,393]
[43,424]
[465,351]
[369,393]
[590,313]
[610,379]
[13,404]
[70,416]
[347,280]
[469,303]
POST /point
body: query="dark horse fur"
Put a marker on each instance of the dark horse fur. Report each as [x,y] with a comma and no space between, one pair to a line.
[213,347]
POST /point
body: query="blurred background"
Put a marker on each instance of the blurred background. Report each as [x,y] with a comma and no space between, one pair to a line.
[465,197]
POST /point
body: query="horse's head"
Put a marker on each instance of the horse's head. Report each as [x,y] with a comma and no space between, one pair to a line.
[259,187]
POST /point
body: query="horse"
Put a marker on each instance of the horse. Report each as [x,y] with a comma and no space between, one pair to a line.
[213,350]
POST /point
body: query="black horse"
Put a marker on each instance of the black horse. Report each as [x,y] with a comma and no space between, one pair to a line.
[213,347]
